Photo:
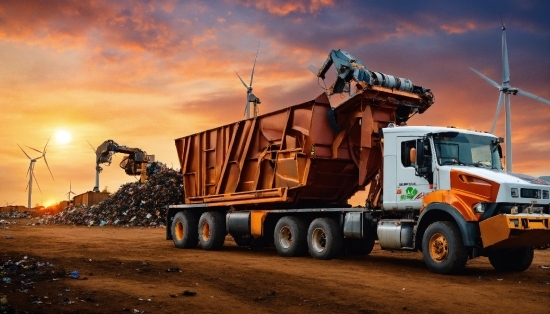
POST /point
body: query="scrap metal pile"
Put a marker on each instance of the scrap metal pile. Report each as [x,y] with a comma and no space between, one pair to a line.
[134,204]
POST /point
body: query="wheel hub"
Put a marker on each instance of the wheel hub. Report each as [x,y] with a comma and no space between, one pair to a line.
[206,231]
[285,237]
[319,240]
[179,231]
[439,247]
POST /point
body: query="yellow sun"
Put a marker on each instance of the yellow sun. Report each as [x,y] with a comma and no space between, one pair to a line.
[49,203]
[63,137]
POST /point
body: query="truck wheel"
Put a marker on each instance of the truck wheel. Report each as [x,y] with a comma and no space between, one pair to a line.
[358,246]
[324,239]
[290,237]
[443,249]
[211,230]
[184,230]
[515,260]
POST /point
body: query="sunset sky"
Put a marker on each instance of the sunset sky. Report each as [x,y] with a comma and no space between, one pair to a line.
[143,73]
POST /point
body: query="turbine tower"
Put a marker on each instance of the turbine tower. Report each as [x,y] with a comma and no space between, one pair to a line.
[30,171]
[98,169]
[251,98]
[505,90]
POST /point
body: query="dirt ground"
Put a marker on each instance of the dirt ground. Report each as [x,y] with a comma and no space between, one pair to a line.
[134,270]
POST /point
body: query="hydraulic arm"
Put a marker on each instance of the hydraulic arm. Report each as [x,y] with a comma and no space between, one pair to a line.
[133,164]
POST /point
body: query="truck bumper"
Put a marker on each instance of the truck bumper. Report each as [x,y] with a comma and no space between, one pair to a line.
[514,231]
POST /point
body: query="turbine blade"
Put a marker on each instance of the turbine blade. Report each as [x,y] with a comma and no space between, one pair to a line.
[241,79]
[46,161]
[535,97]
[313,69]
[505,67]
[254,66]
[24,152]
[36,150]
[44,151]
[487,79]
[36,182]
[499,107]
[91,146]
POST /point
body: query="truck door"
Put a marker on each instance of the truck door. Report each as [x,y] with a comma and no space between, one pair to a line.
[411,188]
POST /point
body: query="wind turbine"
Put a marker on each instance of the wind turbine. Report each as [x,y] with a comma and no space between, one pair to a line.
[504,97]
[251,98]
[69,193]
[30,171]
[98,169]
[9,204]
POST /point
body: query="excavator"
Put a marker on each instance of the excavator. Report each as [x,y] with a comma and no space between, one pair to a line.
[134,164]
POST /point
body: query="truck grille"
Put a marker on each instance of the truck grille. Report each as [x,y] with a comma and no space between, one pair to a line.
[530,193]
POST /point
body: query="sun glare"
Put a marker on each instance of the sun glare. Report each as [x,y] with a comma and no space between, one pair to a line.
[49,203]
[63,137]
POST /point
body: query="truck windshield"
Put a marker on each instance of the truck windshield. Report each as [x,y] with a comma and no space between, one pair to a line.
[455,148]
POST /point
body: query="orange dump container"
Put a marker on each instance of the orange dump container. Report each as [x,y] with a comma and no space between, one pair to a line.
[305,155]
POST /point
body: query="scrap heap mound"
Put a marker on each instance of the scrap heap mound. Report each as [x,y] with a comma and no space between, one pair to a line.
[134,204]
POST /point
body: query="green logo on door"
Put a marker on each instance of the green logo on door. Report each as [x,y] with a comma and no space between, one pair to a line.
[410,193]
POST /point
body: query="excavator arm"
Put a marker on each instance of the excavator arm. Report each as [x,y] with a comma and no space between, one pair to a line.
[349,69]
[133,164]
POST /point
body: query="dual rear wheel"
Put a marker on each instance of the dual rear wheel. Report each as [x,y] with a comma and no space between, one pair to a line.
[323,237]
[188,229]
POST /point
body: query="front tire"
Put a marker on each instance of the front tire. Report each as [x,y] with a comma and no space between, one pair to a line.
[324,239]
[290,237]
[211,230]
[184,229]
[443,249]
[513,260]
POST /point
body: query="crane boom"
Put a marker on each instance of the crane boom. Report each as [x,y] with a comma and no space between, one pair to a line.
[133,164]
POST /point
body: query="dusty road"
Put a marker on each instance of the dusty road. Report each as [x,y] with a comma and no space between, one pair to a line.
[125,270]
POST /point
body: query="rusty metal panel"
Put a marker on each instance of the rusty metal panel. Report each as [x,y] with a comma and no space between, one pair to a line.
[294,156]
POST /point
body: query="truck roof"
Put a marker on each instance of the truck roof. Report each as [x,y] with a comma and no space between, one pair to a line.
[421,130]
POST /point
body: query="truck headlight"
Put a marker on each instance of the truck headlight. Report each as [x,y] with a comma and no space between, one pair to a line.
[514,192]
[479,207]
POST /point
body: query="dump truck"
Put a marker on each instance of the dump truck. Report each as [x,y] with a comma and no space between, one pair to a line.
[284,178]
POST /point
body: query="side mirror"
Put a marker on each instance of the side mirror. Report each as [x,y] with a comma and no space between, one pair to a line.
[412,155]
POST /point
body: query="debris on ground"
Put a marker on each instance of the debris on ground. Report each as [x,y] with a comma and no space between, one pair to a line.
[189,293]
[134,204]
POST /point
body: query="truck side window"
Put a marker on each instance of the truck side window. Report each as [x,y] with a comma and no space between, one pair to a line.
[406,147]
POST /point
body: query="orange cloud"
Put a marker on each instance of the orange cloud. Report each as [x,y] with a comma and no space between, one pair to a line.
[285,7]
[459,28]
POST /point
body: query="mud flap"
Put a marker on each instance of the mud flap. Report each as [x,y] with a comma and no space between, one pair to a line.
[515,231]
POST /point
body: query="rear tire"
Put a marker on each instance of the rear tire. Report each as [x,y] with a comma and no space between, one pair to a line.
[513,260]
[324,239]
[290,237]
[443,249]
[184,229]
[211,230]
